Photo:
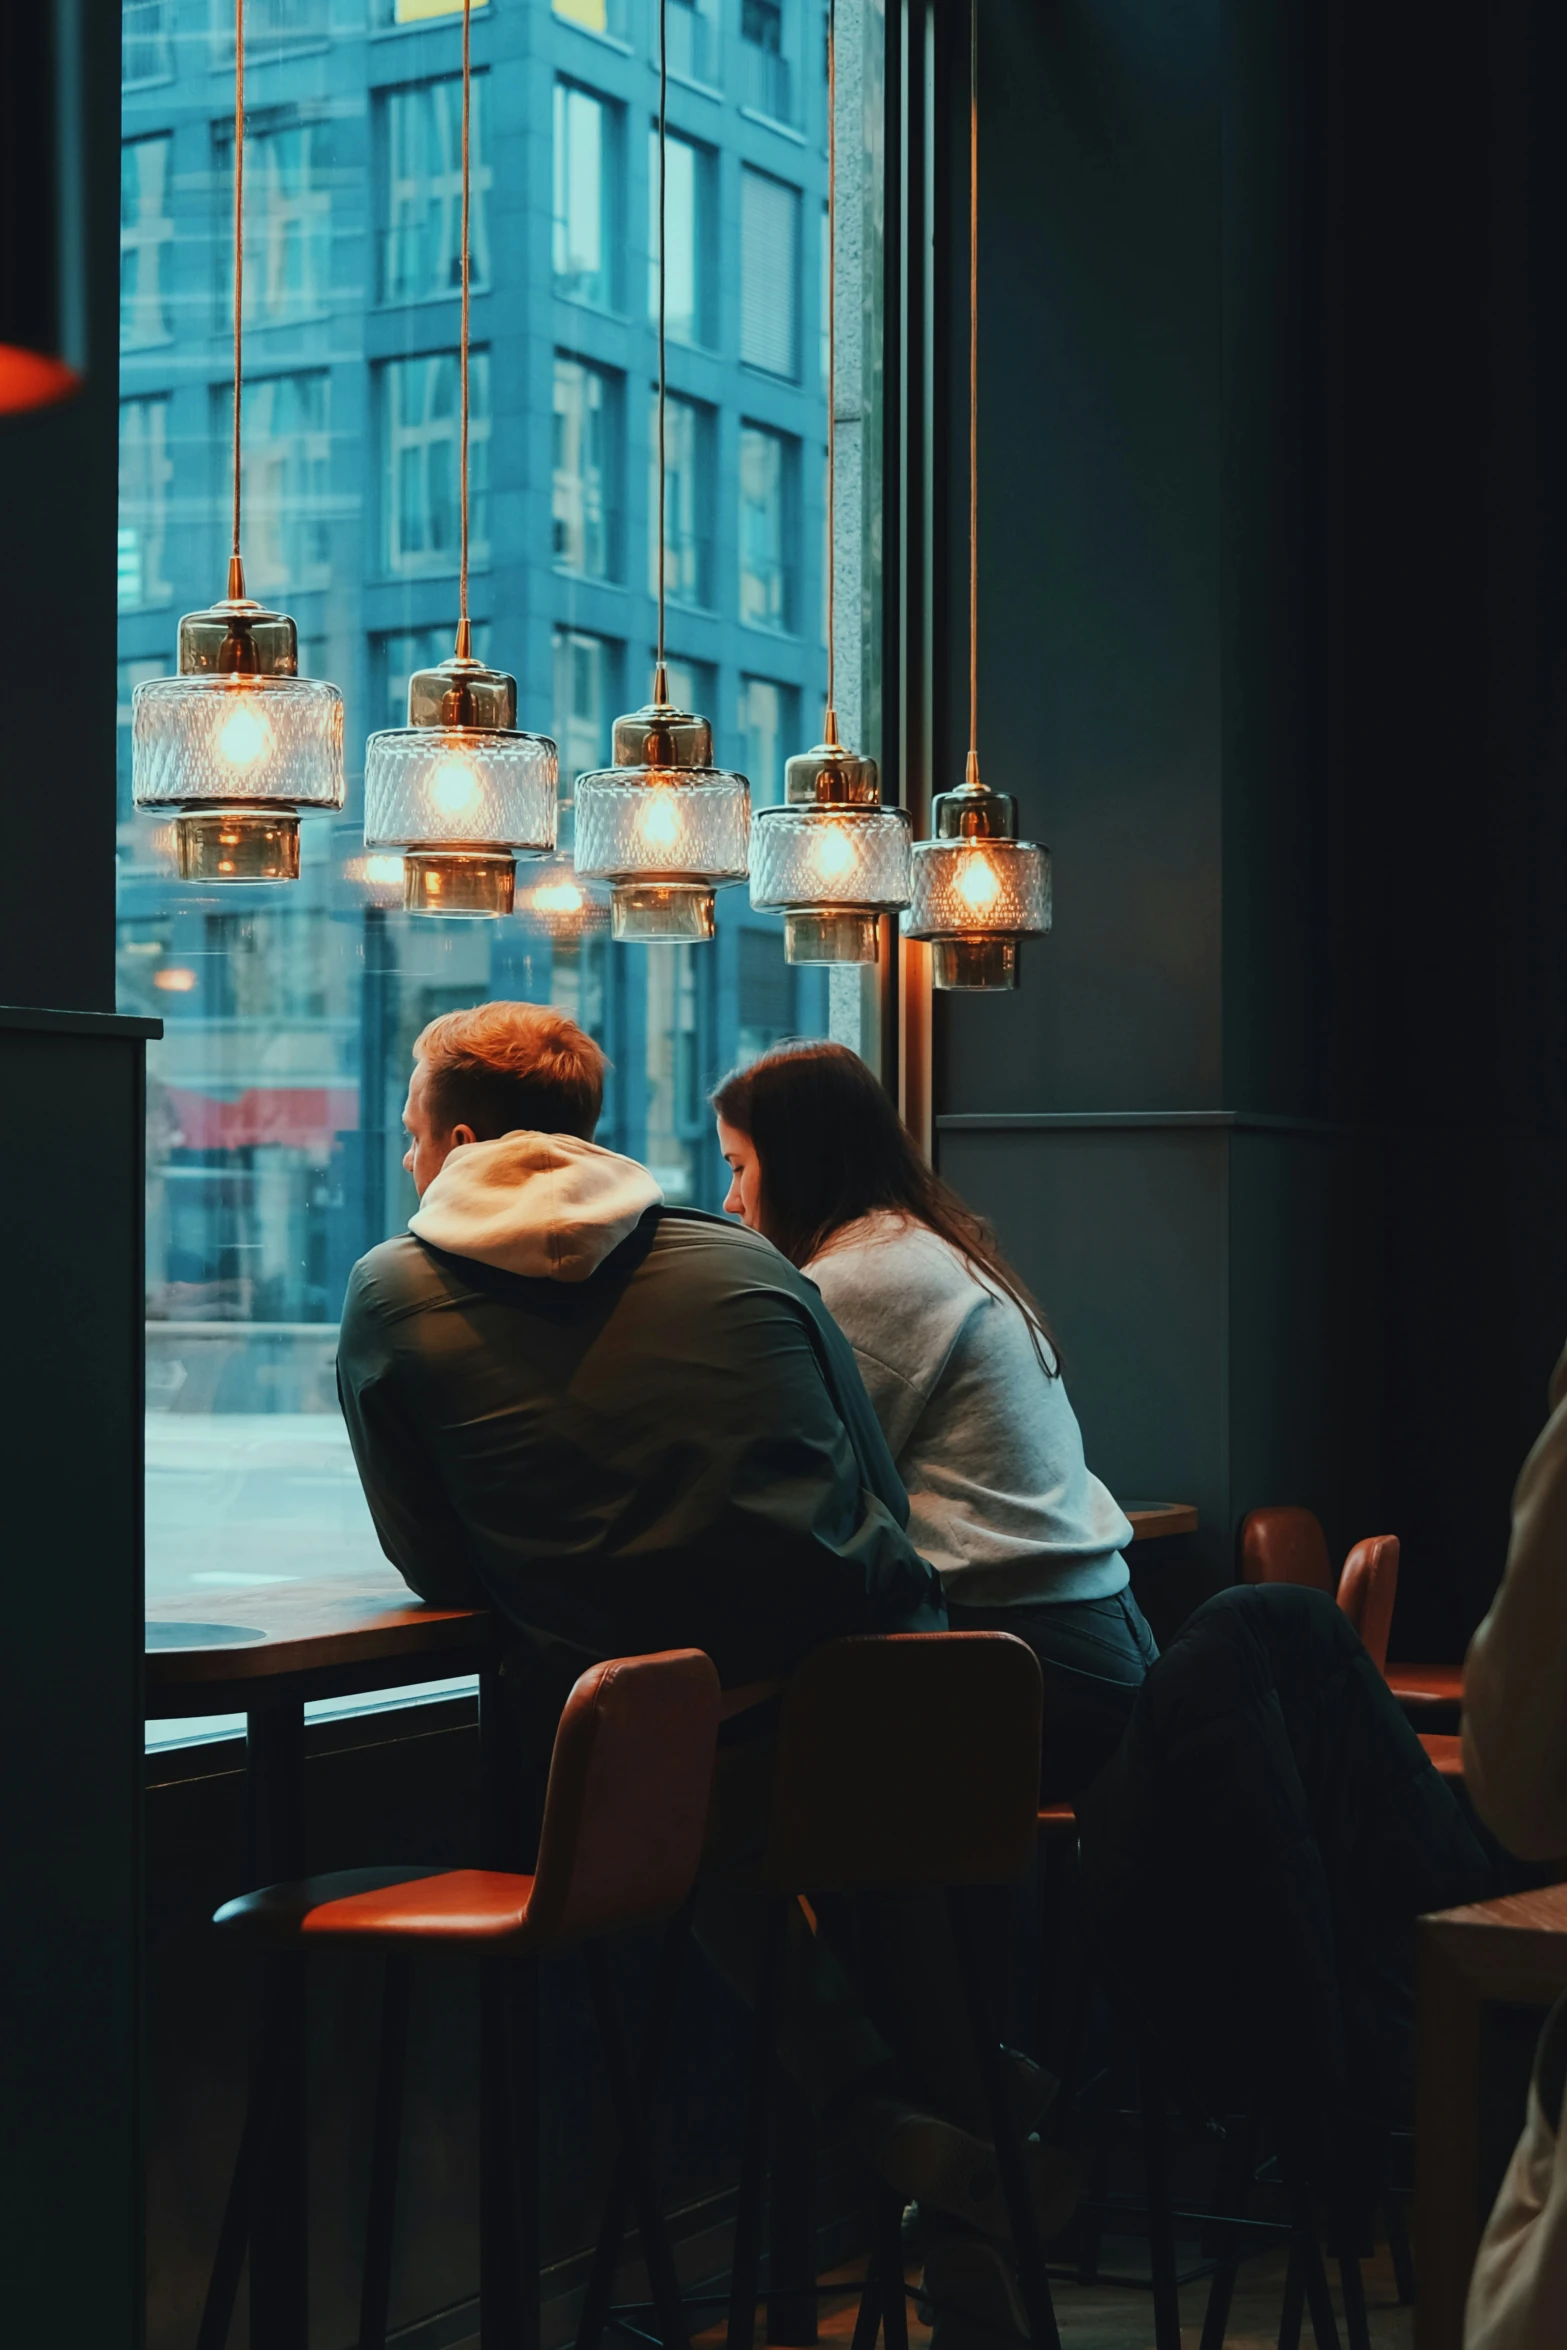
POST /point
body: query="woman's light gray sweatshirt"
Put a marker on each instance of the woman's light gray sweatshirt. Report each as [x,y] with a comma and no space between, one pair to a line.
[1001,1501]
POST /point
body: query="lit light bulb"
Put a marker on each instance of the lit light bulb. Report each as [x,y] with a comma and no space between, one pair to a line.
[834,852]
[381,872]
[244,736]
[454,787]
[979,884]
[558,897]
[659,823]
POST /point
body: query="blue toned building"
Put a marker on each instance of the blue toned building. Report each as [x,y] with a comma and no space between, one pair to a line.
[274,1129]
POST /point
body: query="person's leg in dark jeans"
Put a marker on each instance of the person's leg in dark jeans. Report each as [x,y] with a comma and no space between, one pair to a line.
[1094,1655]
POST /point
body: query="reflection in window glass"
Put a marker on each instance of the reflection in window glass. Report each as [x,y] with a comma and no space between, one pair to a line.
[693,40]
[688,499]
[769,274]
[420,224]
[767,82]
[594,16]
[288,221]
[770,733]
[688,207]
[275,1095]
[145,471]
[766,565]
[145,55]
[146,242]
[287,480]
[585,229]
[585,466]
[587,687]
[422,425]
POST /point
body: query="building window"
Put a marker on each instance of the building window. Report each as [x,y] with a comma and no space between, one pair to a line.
[269,25]
[766,1006]
[688,500]
[693,685]
[390,12]
[420,151]
[766,80]
[288,221]
[144,43]
[587,684]
[767,496]
[594,16]
[394,658]
[769,274]
[688,198]
[421,423]
[146,242]
[769,732]
[585,454]
[287,479]
[145,469]
[587,197]
[693,39]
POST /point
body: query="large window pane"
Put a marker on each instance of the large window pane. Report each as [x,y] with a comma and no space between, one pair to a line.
[146,242]
[420,207]
[769,274]
[421,422]
[688,197]
[768,471]
[585,468]
[768,40]
[288,221]
[274,1151]
[587,260]
[688,499]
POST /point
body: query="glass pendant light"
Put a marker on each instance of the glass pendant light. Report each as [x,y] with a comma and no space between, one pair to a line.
[557,900]
[832,859]
[663,825]
[238,742]
[977,888]
[460,789]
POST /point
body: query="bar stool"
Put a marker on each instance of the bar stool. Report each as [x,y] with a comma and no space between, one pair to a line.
[625,1811]
[1288,1546]
[908,1762]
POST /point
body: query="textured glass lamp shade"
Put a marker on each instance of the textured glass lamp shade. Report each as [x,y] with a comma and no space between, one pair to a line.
[832,860]
[832,872]
[460,790]
[236,745]
[977,891]
[556,900]
[664,826]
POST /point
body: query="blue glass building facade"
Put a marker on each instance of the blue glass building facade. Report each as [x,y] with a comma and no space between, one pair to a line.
[274,1141]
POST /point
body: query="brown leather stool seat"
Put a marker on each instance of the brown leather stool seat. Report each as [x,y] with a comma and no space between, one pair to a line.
[1288,1546]
[625,1811]
[1446,1753]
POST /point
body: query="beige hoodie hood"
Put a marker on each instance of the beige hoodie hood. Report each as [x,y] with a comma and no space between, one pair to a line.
[544,1205]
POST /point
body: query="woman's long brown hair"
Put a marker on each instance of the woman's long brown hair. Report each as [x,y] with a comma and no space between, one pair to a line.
[832,1148]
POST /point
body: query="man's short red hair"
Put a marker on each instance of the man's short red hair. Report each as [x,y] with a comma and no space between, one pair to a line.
[503,1067]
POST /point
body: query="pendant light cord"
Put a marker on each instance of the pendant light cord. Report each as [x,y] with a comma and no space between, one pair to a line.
[660,686]
[236,574]
[464,631]
[831,729]
[972,774]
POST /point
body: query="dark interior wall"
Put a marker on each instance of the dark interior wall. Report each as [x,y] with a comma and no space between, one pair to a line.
[1273,653]
[58,492]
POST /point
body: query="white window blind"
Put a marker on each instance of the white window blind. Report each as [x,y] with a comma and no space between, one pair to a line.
[769,274]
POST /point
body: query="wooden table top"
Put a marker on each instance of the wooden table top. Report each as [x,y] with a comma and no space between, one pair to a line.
[360,1630]
[1512,1948]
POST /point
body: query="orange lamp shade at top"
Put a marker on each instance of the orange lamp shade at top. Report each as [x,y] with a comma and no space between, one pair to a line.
[32,379]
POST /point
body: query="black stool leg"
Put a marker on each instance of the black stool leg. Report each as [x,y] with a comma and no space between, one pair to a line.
[1354,2291]
[867,2318]
[889,2269]
[753,2161]
[1161,2211]
[650,2064]
[1398,2246]
[524,2003]
[1239,2165]
[791,2257]
[634,2146]
[1294,2299]
[1033,2283]
[500,2312]
[1319,2300]
[376,2285]
[223,2285]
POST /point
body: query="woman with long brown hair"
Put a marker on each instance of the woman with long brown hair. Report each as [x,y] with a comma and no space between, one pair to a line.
[963,1372]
